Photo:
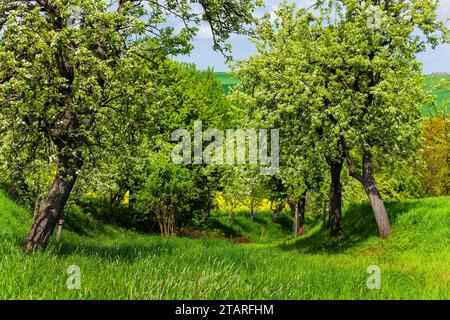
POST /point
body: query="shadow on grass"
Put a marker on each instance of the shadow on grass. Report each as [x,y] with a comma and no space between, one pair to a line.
[285,221]
[223,227]
[240,225]
[248,226]
[86,228]
[358,225]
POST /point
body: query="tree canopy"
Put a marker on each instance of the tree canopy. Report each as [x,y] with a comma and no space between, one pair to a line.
[344,83]
[71,69]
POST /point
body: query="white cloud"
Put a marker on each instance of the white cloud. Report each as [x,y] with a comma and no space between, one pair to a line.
[204,32]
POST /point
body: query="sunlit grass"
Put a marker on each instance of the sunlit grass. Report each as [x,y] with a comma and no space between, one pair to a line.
[118,264]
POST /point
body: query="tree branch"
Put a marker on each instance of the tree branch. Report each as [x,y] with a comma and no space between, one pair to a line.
[351,166]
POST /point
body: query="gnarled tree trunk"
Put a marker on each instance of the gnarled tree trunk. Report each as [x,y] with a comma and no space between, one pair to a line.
[367,179]
[335,199]
[52,206]
[371,188]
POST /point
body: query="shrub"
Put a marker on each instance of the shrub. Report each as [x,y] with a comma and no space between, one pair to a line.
[173,195]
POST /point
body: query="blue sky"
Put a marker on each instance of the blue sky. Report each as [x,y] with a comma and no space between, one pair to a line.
[204,56]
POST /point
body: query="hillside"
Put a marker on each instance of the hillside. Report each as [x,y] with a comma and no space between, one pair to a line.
[442,94]
[119,264]
[227,80]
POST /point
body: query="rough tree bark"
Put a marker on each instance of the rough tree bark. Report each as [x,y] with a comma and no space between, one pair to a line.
[51,207]
[335,198]
[371,188]
[367,179]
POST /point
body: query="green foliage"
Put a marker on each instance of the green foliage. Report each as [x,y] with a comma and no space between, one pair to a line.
[434,171]
[84,223]
[400,182]
[182,95]
[99,99]
[173,194]
[77,93]
[342,82]
[27,184]
[346,82]
[438,84]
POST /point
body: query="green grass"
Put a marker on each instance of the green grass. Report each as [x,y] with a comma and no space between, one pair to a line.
[262,230]
[227,80]
[119,264]
[442,94]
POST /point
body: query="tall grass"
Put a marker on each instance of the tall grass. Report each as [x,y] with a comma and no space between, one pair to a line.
[118,264]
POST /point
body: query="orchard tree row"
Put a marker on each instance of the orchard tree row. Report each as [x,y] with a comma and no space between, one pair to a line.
[88,103]
[342,80]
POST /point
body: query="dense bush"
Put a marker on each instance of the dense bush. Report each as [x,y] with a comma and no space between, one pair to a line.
[435,170]
[172,195]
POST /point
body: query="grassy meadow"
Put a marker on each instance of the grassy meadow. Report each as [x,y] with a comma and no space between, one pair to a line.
[128,172]
[235,258]
[119,264]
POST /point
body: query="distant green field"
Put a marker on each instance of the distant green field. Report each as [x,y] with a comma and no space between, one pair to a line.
[443,94]
[227,80]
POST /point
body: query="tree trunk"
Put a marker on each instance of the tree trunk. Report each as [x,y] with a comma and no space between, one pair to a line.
[324,212]
[336,199]
[371,188]
[276,210]
[300,221]
[59,231]
[367,179]
[51,208]
[298,210]
[293,206]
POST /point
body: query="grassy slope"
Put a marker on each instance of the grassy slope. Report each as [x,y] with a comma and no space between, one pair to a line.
[227,80]
[117,264]
[262,230]
[442,95]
